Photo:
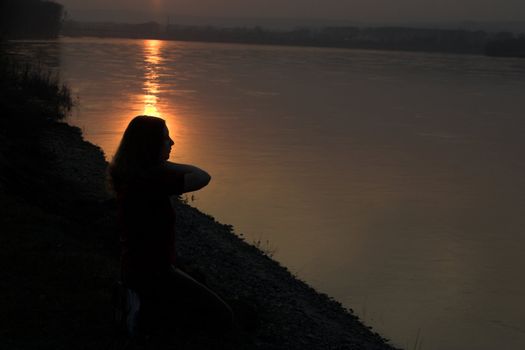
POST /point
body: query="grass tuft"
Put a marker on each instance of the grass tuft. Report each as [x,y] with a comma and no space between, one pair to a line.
[38,86]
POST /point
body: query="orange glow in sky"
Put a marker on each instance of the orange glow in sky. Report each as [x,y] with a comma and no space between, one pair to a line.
[156,4]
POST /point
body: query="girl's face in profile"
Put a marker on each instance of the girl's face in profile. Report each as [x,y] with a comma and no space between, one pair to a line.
[166,145]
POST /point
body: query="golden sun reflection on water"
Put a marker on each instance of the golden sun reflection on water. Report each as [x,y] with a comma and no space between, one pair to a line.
[153,63]
[152,60]
[147,102]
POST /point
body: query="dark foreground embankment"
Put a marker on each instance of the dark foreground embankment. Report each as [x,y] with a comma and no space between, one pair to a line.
[59,257]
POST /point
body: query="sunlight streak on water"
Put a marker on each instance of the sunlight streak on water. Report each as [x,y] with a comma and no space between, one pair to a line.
[153,60]
[148,103]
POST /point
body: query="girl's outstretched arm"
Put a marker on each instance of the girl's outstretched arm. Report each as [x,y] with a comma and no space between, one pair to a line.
[194,177]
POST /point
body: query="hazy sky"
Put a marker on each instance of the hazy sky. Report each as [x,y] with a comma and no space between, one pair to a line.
[357,10]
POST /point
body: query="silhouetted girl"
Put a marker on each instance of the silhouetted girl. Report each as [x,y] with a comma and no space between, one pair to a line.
[144,180]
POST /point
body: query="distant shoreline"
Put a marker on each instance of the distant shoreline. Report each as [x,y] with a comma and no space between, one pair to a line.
[382,38]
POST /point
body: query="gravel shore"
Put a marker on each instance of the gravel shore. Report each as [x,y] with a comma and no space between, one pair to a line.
[61,260]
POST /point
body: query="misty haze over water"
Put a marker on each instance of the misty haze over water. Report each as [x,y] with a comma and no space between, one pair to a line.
[392,181]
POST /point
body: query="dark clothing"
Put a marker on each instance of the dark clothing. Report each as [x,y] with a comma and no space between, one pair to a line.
[147,224]
[177,299]
[147,235]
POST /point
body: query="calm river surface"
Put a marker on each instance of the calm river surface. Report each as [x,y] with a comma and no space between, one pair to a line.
[393,181]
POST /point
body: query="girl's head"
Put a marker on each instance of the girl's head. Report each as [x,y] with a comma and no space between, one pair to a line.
[145,144]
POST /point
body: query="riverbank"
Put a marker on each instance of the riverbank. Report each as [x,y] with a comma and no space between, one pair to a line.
[60,257]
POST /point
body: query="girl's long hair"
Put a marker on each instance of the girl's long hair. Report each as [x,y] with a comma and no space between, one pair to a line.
[139,151]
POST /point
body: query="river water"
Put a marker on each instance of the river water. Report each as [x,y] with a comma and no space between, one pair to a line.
[393,181]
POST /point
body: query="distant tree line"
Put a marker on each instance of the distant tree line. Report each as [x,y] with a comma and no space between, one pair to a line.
[30,19]
[343,37]
[381,38]
[506,44]
[148,30]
